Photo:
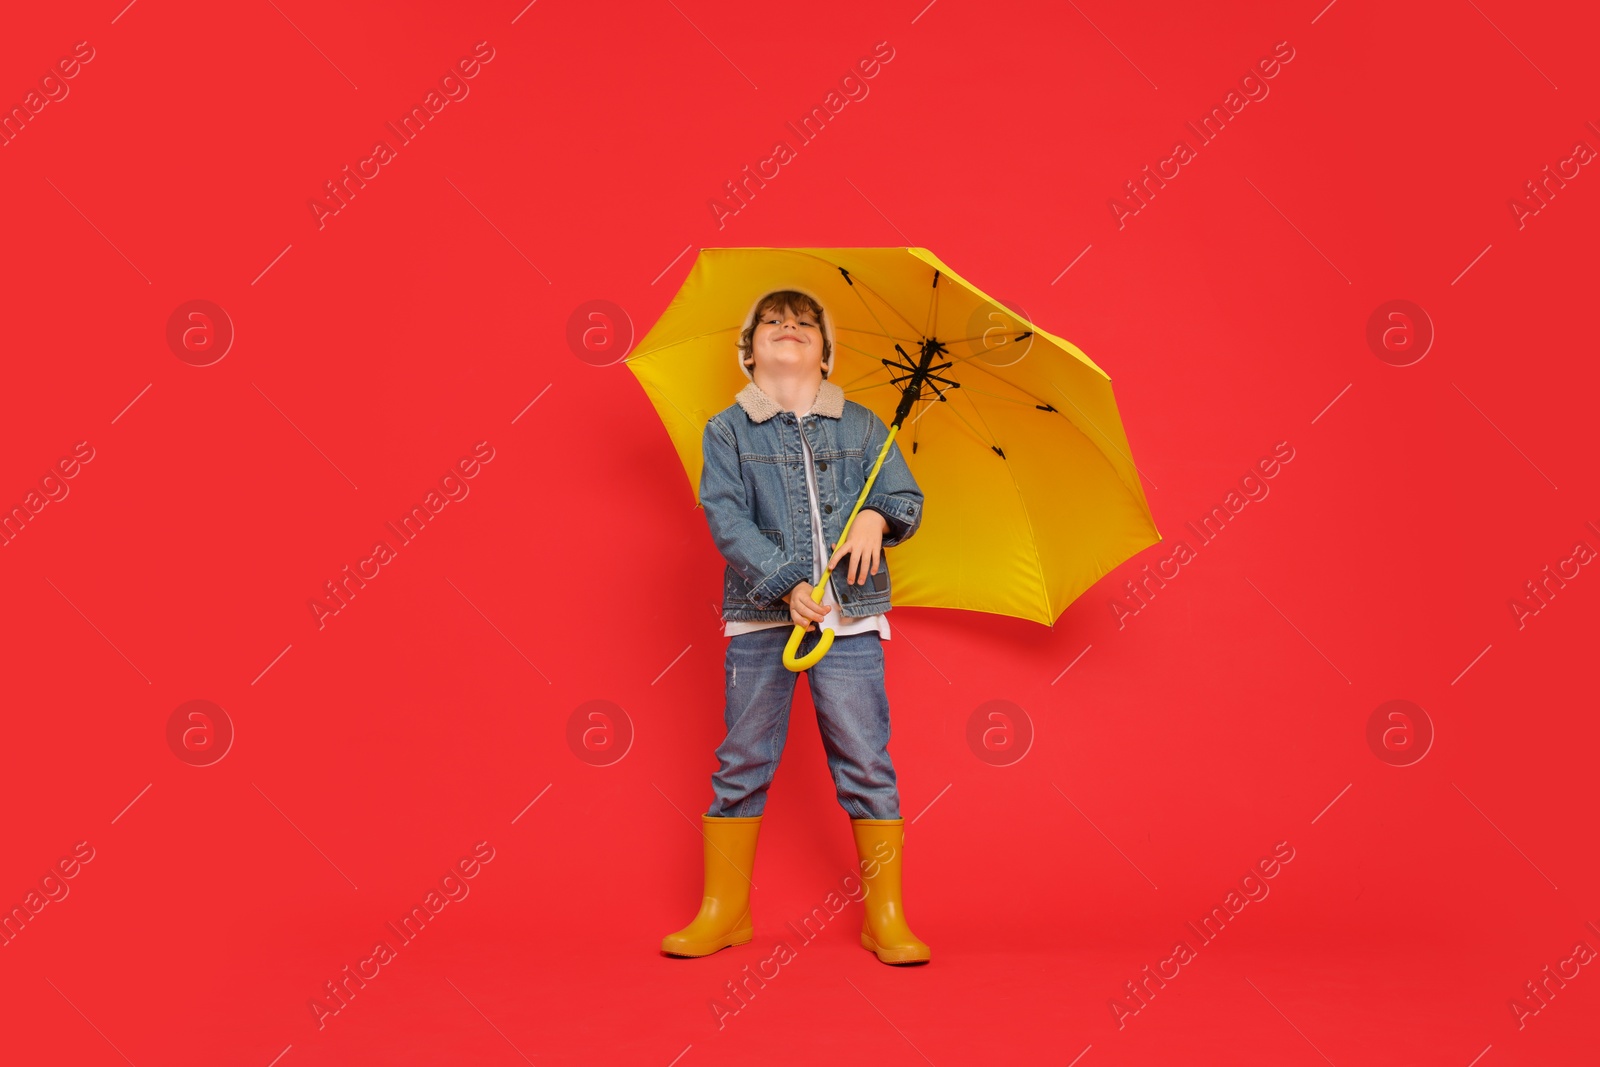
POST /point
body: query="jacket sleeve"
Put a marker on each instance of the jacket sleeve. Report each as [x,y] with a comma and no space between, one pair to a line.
[762,564]
[895,494]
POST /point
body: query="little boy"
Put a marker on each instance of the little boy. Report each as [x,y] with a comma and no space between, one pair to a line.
[783,468]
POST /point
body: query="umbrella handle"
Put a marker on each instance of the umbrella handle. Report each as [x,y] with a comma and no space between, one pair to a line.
[811,658]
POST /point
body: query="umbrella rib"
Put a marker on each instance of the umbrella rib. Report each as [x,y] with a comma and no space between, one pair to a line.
[869,333]
[875,385]
[868,374]
[973,428]
[870,356]
[967,361]
[856,283]
[858,348]
[1097,447]
[638,353]
[861,352]
[930,404]
[1010,473]
[863,288]
[979,413]
[674,404]
[997,396]
[1033,538]
[1101,432]
[1074,425]
[861,296]
[970,340]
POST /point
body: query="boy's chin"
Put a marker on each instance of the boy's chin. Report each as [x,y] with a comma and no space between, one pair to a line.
[790,368]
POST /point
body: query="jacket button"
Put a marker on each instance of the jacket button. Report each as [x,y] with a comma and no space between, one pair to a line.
[822,464]
[827,509]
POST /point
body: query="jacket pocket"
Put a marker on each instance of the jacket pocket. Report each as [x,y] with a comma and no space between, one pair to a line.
[775,536]
[876,589]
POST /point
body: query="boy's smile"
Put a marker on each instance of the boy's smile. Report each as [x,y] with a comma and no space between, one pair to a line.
[787,341]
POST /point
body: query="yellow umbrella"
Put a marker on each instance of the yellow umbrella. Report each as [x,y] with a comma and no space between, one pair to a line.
[1014,437]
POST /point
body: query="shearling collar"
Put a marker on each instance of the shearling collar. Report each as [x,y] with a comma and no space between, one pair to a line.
[761,407]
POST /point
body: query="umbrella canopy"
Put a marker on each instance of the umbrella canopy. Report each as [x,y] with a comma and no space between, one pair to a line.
[1012,433]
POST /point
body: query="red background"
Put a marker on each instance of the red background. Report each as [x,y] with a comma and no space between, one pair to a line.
[430,312]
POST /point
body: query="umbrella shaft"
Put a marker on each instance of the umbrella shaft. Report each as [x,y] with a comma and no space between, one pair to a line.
[866,490]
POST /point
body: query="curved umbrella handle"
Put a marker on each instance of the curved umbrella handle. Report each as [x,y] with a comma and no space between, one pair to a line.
[810,658]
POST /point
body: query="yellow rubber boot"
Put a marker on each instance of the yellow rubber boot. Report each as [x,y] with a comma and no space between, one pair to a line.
[724,919]
[880,845]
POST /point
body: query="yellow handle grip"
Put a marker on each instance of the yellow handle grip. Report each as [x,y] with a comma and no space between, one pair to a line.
[810,658]
[816,654]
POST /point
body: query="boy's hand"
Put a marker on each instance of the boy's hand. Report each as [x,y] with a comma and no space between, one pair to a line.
[802,612]
[864,545]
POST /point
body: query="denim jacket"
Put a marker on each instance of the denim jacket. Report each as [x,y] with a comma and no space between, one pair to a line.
[753,490]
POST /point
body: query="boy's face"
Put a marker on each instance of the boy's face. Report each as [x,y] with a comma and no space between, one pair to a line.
[787,341]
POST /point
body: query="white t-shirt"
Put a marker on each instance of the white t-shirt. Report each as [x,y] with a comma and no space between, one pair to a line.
[841,625]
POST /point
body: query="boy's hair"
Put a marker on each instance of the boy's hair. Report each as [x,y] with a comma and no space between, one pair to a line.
[787,300]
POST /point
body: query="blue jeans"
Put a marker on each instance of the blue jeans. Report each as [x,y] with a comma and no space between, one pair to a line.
[852,714]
